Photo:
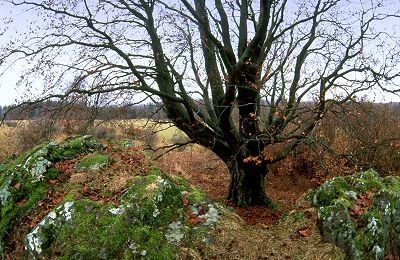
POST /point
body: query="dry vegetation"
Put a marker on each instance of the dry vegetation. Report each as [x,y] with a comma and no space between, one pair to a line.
[365,137]
[357,137]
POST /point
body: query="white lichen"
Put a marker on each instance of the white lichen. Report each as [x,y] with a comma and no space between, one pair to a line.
[67,213]
[133,247]
[34,241]
[211,216]
[194,210]
[378,251]
[39,168]
[156,211]
[116,211]
[373,225]
[158,198]
[351,194]
[175,232]
[4,192]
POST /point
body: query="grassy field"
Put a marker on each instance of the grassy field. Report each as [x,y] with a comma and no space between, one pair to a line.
[8,142]
[16,137]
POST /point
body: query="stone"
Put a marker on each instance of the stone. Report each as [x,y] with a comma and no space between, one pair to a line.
[151,222]
[23,179]
[360,213]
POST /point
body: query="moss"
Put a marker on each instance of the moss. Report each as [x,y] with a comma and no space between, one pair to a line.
[344,202]
[372,235]
[93,161]
[392,183]
[74,146]
[52,173]
[297,216]
[153,199]
[22,178]
[375,232]
[28,196]
[330,191]
[196,196]
[96,233]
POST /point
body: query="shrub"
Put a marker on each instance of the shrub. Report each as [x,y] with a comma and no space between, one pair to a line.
[103,132]
[34,132]
[353,137]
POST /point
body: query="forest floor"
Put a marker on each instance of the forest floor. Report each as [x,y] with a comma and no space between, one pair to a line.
[261,233]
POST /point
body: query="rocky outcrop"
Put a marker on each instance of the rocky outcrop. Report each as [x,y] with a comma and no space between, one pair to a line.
[360,213]
[22,180]
[155,215]
[155,218]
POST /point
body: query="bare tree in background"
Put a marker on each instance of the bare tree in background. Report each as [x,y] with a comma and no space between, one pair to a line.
[280,64]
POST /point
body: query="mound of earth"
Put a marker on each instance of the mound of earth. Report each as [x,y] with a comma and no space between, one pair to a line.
[156,215]
[92,199]
[152,215]
[360,213]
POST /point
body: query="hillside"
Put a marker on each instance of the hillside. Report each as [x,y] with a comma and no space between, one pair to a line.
[90,198]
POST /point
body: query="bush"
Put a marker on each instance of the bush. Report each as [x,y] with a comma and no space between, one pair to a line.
[146,133]
[103,132]
[74,126]
[34,132]
[354,137]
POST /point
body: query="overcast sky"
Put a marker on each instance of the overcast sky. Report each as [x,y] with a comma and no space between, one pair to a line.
[8,80]
[9,91]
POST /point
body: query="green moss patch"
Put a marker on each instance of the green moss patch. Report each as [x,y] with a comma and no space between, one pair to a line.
[93,161]
[361,214]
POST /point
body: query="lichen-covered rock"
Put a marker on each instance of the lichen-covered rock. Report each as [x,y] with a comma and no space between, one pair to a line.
[361,214]
[39,238]
[152,220]
[22,180]
[154,199]
[93,161]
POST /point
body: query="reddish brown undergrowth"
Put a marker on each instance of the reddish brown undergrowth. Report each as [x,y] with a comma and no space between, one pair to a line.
[206,171]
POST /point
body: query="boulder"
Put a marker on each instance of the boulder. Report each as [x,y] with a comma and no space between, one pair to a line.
[155,217]
[360,213]
[94,161]
[22,180]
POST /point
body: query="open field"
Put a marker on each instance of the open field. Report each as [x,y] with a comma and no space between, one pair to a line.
[17,136]
[8,142]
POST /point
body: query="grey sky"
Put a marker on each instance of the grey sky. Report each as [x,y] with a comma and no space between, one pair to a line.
[9,91]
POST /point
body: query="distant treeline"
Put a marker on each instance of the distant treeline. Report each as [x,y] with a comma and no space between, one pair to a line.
[80,111]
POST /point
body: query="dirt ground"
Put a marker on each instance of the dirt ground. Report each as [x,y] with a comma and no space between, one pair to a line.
[259,232]
[203,169]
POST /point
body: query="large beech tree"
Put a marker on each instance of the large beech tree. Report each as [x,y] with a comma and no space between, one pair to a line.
[248,79]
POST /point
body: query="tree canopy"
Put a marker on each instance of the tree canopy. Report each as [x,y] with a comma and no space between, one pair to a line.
[247,79]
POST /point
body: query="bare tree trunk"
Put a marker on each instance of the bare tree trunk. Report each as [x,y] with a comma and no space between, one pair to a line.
[247,184]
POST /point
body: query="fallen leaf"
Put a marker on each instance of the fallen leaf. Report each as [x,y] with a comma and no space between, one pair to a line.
[305,232]
[185,201]
[17,186]
[21,202]
[53,181]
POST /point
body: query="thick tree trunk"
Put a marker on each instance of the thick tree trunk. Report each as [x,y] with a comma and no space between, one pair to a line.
[247,186]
